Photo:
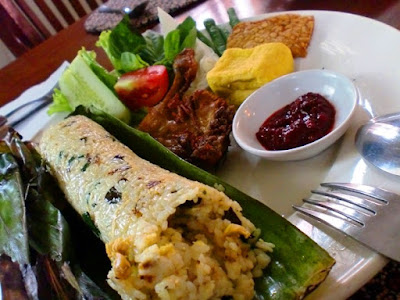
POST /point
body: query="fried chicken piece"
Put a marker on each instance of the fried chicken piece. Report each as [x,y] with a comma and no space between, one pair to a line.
[195,127]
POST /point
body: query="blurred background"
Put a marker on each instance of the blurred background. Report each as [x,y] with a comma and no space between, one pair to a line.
[26,23]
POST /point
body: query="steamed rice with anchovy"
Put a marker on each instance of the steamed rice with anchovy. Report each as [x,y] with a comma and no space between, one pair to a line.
[167,237]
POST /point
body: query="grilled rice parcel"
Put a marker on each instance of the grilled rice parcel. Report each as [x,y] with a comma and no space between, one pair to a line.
[167,237]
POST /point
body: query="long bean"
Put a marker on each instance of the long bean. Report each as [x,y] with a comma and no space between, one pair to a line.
[216,36]
[205,40]
[225,32]
[233,18]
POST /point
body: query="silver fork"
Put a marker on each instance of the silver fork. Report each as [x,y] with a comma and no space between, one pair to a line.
[368,214]
[43,100]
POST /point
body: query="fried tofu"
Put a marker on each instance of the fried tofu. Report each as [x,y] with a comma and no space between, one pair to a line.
[239,72]
[293,30]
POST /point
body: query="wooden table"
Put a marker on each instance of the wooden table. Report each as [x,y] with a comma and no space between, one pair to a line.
[37,64]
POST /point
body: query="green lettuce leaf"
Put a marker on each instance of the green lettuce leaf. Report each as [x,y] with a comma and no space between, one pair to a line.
[184,36]
[60,103]
[106,77]
[128,50]
[122,39]
[186,32]
[125,38]
[190,39]
[80,85]
[154,50]
[104,42]
[132,62]
[172,45]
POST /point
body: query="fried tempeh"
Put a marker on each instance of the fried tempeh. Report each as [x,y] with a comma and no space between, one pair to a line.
[293,30]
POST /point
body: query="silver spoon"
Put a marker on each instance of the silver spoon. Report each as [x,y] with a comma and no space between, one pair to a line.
[378,141]
[131,12]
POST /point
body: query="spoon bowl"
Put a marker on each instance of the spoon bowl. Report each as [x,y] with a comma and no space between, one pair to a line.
[378,142]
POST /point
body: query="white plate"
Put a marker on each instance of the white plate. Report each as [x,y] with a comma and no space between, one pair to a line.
[362,49]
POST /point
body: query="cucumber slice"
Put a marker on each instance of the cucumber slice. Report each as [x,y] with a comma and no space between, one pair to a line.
[80,85]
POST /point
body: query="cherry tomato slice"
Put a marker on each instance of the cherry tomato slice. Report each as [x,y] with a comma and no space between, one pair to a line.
[143,87]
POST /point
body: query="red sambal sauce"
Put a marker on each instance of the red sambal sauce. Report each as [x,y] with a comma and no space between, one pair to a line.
[305,120]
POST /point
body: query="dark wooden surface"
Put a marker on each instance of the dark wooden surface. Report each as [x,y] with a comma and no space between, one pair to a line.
[37,64]
[22,28]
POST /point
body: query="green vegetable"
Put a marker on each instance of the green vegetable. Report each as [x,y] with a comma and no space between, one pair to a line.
[218,33]
[188,33]
[233,18]
[216,36]
[205,40]
[106,77]
[298,264]
[48,233]
[13,227]
[90,290]
[225,32]
[154,50]
[123,38]
[131,62]
[104,42]
[125,46]
[184,36]
[171,46]
[190,40]
[81,86]
[137,116]
[60,103]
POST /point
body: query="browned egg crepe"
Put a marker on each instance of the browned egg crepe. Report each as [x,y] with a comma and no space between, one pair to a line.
[167,237]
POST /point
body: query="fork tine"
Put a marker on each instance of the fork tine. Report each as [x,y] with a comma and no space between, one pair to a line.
[373,192]
[349,214]
[335,222]
[379,230]
[360,203]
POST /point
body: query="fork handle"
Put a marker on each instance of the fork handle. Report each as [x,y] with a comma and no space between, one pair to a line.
[46,98]
[29,113]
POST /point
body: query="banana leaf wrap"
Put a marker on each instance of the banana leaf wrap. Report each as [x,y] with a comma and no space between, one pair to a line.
[13,228]
[37,258]
[298,264]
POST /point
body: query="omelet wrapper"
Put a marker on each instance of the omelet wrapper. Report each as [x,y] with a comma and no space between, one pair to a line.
[167,237]
[239,72]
